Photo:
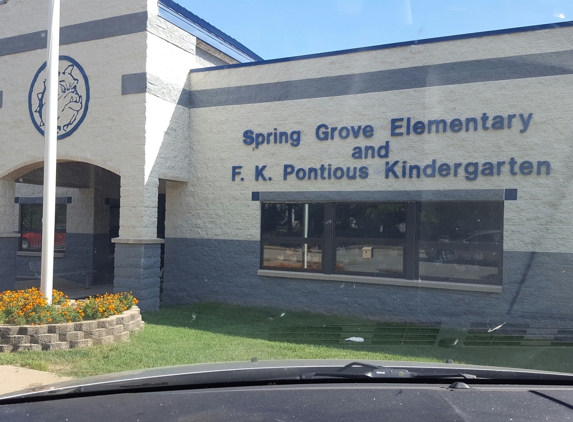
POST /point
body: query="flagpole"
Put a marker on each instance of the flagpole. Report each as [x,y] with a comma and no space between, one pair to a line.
[50,152]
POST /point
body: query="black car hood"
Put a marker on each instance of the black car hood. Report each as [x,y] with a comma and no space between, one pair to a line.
[245,391]
[290,371]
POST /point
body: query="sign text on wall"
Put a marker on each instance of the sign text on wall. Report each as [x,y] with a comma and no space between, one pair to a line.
[399,127]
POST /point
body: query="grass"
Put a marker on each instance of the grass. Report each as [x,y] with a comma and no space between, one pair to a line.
[209,332]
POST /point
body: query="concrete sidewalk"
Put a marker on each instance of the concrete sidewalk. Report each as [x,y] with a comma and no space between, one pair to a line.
[14,378]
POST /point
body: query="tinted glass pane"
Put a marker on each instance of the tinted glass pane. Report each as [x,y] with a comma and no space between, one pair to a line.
[60,218]
[313,255]
[31,227]
[292,256]
[371,221]
[450,263]
[461,241]
[31,217]
[293,220]
[456,221]
[368,258]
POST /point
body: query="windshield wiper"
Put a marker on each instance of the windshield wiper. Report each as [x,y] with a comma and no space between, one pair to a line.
[359,370]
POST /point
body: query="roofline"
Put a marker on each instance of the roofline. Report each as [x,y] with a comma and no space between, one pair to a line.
[394,45]
[170,4]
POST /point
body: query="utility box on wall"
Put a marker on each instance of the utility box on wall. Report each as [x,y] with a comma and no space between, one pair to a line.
[367,252]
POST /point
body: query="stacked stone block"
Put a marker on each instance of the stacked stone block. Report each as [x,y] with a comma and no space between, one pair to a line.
[116,328]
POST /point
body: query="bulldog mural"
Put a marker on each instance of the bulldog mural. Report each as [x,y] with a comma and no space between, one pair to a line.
[73,97]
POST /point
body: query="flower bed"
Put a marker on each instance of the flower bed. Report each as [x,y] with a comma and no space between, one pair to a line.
[29,323]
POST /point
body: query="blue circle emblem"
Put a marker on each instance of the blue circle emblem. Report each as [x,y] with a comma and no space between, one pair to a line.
[73,97]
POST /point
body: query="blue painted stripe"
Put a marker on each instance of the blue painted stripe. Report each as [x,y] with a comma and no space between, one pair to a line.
[392,45]
[81,32]
[40,200]
[382,196]
[444,74]
[133,83]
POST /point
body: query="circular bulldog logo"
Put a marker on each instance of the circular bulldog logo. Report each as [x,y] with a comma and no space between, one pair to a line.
[73,97]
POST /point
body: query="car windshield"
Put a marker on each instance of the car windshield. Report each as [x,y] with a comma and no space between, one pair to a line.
[265,180]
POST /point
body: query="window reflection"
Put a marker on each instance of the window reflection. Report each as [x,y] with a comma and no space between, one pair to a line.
[367,258]
[31,227]
[451,221]
[370,238]
[433,241]
[383,221]
[292,236]
[461,241]
[292,256]
[293,220]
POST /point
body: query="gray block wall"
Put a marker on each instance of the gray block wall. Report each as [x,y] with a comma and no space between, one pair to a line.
[137,270]
[535,288]
[8,247]
[102,259]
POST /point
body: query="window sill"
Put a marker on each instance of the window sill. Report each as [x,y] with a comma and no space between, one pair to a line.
[56,254]
[384,281]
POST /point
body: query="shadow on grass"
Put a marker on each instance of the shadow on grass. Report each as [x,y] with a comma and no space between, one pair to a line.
[394,341]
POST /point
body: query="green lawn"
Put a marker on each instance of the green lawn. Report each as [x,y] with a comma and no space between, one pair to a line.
[196,333]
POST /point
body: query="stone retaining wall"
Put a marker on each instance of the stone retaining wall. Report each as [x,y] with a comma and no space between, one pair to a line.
[14,338]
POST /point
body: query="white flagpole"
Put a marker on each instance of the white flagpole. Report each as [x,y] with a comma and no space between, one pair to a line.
[50,151]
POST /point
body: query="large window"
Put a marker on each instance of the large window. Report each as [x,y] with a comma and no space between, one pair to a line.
[439,241]
[31,227]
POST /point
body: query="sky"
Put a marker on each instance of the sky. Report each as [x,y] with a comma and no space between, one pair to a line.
[285,28]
